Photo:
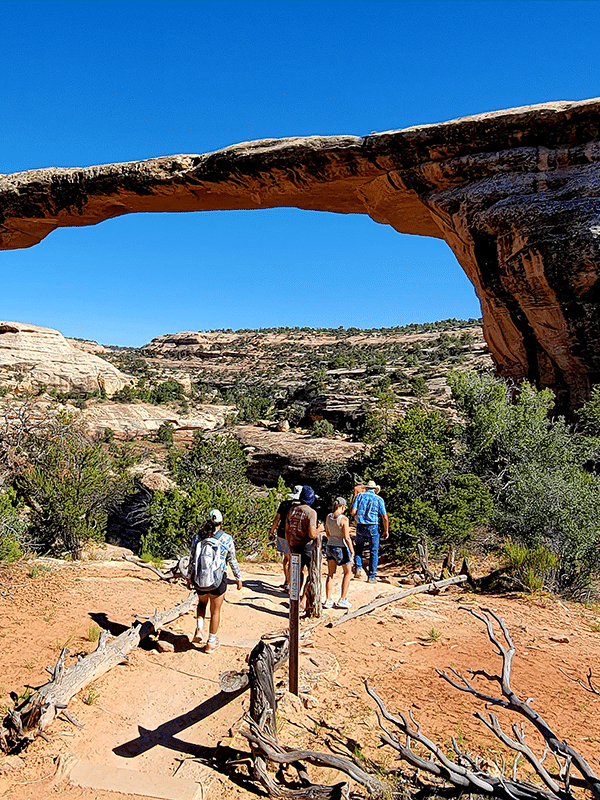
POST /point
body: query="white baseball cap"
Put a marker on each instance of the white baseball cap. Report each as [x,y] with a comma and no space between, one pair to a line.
[216,516]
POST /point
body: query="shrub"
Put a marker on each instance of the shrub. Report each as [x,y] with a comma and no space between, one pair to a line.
[531,566]
[322,428]
[212,474]
[12,528]
[165,433]
[424,491]
[71,483]
[535,467]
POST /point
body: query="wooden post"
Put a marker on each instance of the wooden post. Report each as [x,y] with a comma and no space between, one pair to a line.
[313,585]
[295,574]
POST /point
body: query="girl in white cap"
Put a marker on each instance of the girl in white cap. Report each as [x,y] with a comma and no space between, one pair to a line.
[212,549]
[339,551]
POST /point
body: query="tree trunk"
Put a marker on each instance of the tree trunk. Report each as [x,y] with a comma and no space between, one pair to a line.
[313,605]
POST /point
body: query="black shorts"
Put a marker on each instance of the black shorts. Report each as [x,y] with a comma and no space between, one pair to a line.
[304,551]
[221,589]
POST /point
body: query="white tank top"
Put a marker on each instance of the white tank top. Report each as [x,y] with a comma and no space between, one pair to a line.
[335,537]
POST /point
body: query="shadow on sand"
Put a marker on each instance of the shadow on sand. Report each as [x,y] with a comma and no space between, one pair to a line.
[165,734]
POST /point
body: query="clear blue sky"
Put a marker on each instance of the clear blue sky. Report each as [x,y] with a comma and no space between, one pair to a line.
[98,82]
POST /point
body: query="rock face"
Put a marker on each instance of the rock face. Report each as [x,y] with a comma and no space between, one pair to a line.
[141,419]
[297,458]
[515,194]
[31,357]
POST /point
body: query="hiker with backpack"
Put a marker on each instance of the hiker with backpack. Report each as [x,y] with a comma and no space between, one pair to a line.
[212,549]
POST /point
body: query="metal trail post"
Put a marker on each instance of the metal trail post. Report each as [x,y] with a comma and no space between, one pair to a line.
[294,621]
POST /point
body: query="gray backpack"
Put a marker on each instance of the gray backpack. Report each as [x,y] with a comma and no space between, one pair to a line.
[208,564]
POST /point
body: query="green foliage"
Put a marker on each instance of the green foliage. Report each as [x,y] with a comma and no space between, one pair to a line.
[125,395]
[418,386]
[535,467]
[212,474]
[423,490]
[71,484]
[12,527]
[165,433]
[531,566]
[166,392]
[322,428]
[589,415]
[295,414]
[371,428]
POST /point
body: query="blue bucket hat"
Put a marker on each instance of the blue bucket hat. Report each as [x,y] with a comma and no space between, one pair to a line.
[307,496]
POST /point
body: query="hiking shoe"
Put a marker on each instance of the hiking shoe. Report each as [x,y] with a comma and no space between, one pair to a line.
[328,603]
[197,638]
[210,647]
[358,573]
[371,580]
[343,603]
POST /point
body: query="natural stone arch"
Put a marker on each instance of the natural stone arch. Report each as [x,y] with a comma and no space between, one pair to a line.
[515,194]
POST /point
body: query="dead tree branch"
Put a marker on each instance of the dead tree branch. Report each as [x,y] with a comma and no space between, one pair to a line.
[588,687]
[176,572]
[433,587]
[464,771]
[262,736]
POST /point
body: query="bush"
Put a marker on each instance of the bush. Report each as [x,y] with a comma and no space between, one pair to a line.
[322,428]
[295,414]
[71,484]
[424,491]
[531,566]
[12,528]
[165,433]
[212,474]
[535,467]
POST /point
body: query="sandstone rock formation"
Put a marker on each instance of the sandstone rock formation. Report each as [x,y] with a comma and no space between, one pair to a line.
[32,357]
[514,193]
[296,457]
[141,419]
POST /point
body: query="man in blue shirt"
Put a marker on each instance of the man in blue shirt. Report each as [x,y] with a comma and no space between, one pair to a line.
[367,507]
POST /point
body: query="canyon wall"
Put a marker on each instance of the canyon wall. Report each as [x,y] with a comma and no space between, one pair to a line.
[515,194]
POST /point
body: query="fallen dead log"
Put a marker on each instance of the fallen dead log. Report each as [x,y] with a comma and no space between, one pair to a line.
[38,711]
[177,572]
[433,588]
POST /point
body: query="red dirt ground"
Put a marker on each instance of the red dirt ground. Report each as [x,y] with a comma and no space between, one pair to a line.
[161,713]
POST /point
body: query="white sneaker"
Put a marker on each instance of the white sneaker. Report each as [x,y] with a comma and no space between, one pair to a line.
[328,603]
[343,603]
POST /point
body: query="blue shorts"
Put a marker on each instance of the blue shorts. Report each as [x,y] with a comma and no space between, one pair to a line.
[341,555]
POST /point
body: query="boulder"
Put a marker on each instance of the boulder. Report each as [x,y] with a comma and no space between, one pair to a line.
[515,194]
[32,357]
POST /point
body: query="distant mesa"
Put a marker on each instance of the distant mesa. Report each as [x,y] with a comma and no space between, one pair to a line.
[32,357]
[515,194]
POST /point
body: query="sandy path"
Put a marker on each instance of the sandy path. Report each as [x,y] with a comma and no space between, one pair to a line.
[154,715]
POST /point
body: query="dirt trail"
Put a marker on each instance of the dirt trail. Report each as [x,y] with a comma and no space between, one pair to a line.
[164,709]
